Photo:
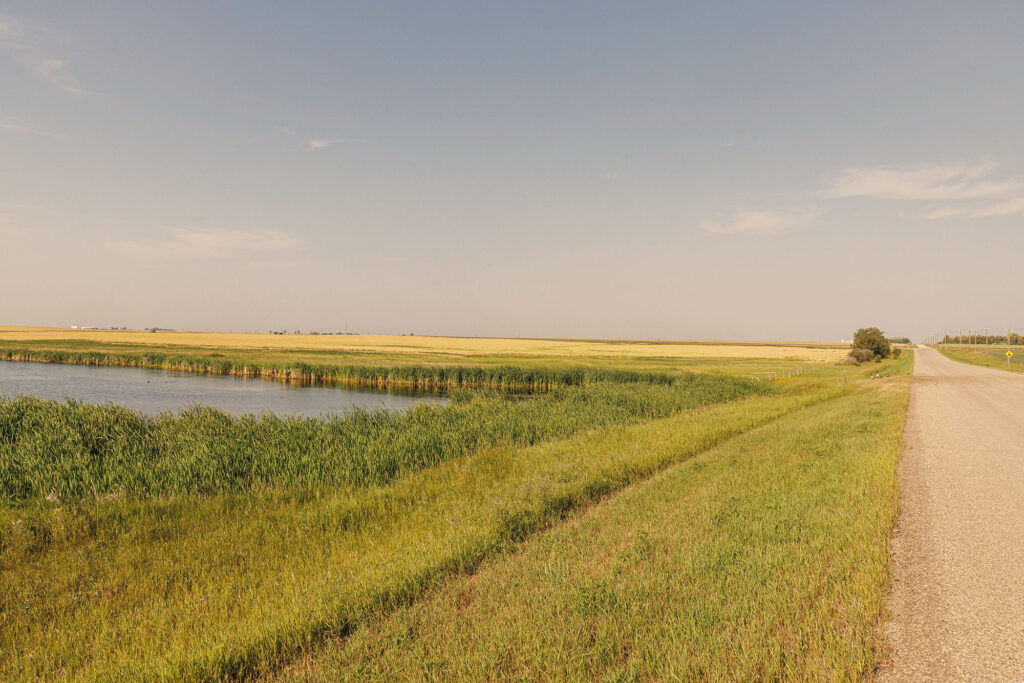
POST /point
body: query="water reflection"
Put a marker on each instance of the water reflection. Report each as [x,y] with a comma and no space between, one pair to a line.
[156,391]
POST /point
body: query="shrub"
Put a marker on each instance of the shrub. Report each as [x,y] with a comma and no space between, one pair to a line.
[897,352]
[872,339]
[859,356]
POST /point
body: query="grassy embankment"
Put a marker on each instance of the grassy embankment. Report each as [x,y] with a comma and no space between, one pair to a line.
[765,558]
[989,357]
[244,582]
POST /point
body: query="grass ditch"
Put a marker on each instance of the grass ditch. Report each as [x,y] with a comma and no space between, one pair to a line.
[991,358]
[765,558]
[70,451]
[241,584]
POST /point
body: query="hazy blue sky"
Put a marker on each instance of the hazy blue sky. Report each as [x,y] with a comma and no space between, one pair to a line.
[634,169]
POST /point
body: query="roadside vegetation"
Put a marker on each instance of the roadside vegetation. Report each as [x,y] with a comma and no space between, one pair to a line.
[765,558]
[870,344]
[987,356]
[200,546]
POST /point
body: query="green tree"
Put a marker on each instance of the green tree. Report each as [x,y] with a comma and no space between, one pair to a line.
[872,339]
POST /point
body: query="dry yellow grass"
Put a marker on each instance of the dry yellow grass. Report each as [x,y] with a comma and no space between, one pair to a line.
[455,346]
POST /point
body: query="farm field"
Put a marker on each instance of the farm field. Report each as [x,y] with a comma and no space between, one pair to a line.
[281,351]
[416,344]
[200,546]
[989,357]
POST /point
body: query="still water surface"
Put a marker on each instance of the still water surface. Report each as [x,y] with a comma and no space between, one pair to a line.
[156,391]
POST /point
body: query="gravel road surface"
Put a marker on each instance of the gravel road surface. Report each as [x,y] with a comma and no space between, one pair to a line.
[958,553]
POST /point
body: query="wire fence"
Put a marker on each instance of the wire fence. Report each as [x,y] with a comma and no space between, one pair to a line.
[777,375]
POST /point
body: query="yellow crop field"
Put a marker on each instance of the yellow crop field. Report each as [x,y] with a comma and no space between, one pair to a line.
[455,346]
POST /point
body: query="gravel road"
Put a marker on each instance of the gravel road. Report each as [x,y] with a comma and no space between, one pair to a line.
[958,553]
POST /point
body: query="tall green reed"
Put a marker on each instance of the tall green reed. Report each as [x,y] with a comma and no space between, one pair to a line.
[70,450]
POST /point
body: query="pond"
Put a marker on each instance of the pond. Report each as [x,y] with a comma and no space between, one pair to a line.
[156,391]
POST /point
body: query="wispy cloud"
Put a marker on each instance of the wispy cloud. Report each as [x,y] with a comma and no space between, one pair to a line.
[15,127]
[30,47]
[53,71]
[975,210]
[969,190]
[322,143]
[768,222]
[208,243]
[313,144]
[931,182]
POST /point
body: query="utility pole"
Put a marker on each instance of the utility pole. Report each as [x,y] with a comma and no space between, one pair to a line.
[986,336]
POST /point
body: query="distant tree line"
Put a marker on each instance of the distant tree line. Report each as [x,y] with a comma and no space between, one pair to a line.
[899,340]
[1015,339]
[300,332]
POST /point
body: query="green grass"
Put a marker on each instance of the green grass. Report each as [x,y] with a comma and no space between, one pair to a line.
[993,357]
[74,451]
[238,584]
[258,580]
[765,558]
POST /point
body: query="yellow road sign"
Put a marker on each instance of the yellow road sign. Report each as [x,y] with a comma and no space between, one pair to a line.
[1009,354]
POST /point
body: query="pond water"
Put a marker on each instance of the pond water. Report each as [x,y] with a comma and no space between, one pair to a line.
[156,391]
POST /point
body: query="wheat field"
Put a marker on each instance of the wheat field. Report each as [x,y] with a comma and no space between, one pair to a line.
[815,352]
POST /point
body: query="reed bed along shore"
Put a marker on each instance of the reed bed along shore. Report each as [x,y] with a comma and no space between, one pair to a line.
[71,450]
[436,377]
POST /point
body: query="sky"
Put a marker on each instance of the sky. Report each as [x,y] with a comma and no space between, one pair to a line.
[734,170]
